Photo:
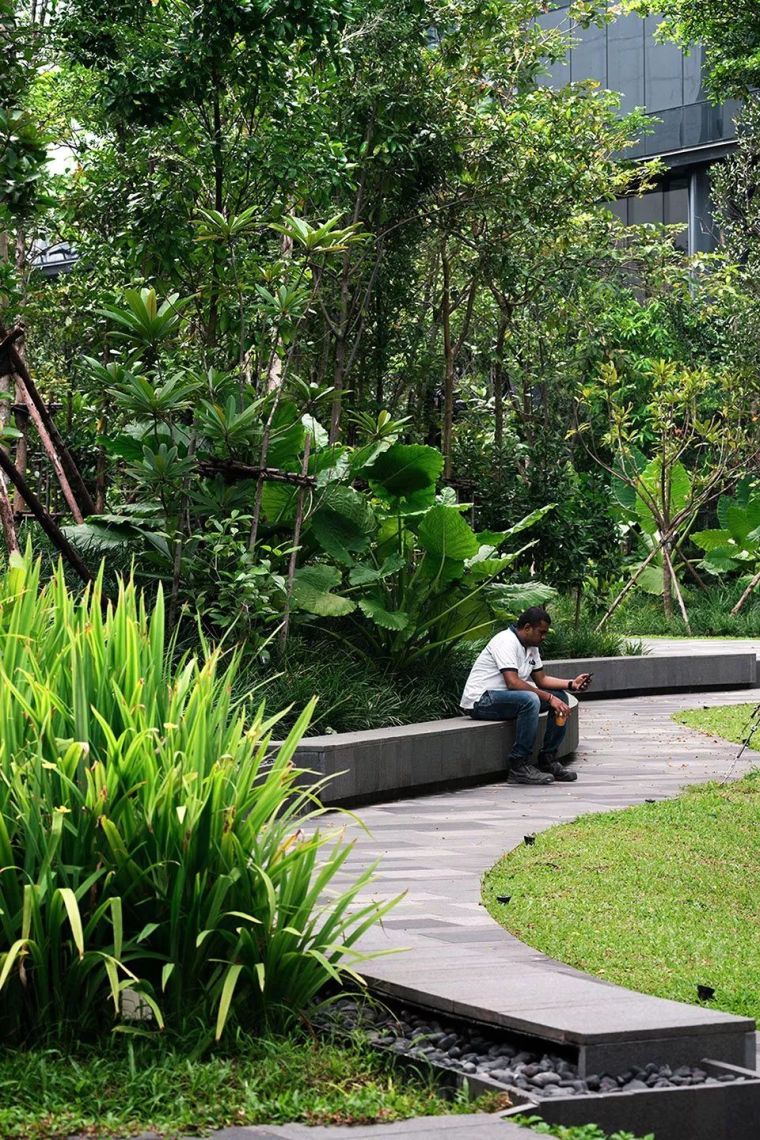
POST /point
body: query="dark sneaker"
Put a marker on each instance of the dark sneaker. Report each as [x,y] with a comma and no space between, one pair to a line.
[528,774]
[558,770]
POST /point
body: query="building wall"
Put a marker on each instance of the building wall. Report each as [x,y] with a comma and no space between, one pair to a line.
[687,131]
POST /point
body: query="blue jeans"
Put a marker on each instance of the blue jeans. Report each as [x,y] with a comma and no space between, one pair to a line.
[524,707]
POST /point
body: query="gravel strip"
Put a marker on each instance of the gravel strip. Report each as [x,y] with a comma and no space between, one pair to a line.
[472,1051]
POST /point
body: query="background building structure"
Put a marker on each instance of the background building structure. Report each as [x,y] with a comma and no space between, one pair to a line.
[688,133]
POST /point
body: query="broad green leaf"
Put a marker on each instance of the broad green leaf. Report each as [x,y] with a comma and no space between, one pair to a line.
[405,475]
[680,488]
[445,534]
[710,539]
[387,619]
[312,588]
[650,580]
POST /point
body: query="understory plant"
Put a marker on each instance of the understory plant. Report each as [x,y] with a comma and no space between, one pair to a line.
[160,860]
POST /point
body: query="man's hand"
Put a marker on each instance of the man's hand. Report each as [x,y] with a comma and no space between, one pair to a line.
[581,682]
[558,706]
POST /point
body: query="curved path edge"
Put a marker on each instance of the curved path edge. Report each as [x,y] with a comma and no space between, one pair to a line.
[458,960]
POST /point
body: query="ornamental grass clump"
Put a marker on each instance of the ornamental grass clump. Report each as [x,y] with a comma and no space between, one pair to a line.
[160,863]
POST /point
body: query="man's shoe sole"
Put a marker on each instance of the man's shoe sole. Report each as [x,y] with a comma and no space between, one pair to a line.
[515,778]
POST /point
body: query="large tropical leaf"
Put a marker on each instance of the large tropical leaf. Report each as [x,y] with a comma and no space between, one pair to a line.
[405,476]
[445,534]
[365,575]
[312,592]
[343,523]
[509,599]
[287,438]
[711,539]
[376,611]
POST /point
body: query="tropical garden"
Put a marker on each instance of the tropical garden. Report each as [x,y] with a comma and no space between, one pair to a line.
[350,360]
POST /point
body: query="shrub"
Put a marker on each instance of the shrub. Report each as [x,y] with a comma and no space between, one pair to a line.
[149,841]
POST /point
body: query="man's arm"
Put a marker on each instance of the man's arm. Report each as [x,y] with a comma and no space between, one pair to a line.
[572,685]
[515,682]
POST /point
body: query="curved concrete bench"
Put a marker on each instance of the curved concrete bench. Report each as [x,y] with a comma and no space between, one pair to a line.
[386,763]
[664,673]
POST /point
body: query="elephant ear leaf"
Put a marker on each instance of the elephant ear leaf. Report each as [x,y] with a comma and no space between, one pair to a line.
[343,523]
[445,534]
[405,476]
[312,592]
[386,619]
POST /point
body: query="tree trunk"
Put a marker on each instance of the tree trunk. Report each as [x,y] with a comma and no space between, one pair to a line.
[27,392]
[285,628]
[22,446]
[50,527]
[6,509]
[447,422]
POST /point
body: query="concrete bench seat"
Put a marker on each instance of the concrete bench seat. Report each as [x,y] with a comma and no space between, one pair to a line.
[671,673]
[387,763]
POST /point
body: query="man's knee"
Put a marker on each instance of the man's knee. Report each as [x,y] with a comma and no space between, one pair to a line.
[530,700]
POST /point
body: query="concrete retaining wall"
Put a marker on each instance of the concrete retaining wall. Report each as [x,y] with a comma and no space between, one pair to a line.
[387,763]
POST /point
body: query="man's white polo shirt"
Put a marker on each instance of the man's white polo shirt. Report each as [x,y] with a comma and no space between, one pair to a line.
[504,651]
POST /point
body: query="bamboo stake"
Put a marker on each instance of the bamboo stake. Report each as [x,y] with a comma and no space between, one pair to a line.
[31,397]
[746,595]
[285,627]
[676,587]
[628,586]
[50,527]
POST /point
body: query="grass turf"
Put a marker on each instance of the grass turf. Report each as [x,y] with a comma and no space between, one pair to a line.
[730,722]
[660,897]
[134,1086]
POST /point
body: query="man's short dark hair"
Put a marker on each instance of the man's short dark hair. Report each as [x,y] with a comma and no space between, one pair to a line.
[534,615]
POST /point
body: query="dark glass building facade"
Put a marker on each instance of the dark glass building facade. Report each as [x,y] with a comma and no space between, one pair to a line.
[687,132]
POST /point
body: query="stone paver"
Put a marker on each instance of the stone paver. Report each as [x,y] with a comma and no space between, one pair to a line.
[475,1126]
[663,646]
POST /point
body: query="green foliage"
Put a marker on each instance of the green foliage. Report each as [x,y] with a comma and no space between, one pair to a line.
[736,546]
[157,854]
[576,1131]
[357,691]
[122,1088]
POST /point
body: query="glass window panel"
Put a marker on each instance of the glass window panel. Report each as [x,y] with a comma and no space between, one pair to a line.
[619,208]
[693,90]
[625,60]
[646,209]
[699,126]
[676,208]
[730,109]
[663,70]
[666,135]
[589,55]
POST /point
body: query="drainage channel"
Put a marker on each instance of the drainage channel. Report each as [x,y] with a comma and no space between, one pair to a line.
[708,1101]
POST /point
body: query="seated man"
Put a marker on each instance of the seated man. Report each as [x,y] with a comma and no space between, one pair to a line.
[507,682]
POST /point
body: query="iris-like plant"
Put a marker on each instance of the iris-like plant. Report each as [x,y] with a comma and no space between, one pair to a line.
[151,839]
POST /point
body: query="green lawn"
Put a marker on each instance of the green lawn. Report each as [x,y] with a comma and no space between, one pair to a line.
[660,897]
[730,722]
[129,1088]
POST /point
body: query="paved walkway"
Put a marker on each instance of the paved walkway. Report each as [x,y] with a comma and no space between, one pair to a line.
[437,847]
[663,646]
